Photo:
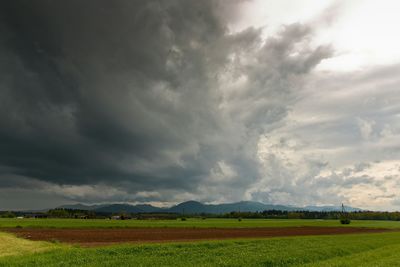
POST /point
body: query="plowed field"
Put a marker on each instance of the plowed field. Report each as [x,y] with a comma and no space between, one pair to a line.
[93,237]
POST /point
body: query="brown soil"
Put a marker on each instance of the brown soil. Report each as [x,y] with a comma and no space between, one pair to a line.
[93,237]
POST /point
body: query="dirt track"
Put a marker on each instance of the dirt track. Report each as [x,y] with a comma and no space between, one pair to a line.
[92,237]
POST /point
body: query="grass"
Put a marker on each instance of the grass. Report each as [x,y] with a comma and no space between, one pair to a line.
[311,251]
[208,223]
[341,250]
[383,256]
[12,246]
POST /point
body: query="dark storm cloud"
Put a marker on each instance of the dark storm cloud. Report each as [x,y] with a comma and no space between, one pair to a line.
[140,95]
[81,92]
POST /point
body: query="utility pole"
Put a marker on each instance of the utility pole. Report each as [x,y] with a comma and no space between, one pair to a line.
[344,219]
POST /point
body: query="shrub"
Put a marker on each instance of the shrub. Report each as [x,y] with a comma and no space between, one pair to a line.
[7,214]
[345,221]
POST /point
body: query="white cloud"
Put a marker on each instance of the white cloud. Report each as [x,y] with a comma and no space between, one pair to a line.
[366,128]
[362,31]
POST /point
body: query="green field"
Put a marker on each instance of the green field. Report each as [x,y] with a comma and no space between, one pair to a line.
[208,223]
[381,249]
[12,246]
[343,250]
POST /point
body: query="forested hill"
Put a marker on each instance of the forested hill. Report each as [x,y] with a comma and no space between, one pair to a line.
[194,207]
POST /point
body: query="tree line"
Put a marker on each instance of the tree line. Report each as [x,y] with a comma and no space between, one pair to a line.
[267,214]
[324,215]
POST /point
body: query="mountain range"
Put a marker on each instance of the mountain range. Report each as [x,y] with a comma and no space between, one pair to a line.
[194,207]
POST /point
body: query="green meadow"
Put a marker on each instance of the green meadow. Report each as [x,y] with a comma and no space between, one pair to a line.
[191,222]
[12,246]
[379,249]
[341,250]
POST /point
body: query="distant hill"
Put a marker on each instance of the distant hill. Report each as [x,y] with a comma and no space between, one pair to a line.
[115,208]
[243,206]
[195,207]
[82,206]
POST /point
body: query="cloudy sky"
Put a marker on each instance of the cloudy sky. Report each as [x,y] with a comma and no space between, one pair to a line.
[283,102]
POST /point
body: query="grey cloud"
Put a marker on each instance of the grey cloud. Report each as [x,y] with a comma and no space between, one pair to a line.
[141,96]
[351,114]
[395,201]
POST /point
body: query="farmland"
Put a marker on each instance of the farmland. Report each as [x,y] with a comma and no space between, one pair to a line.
[107,236]
[346,249]
[197,223]
[342,250]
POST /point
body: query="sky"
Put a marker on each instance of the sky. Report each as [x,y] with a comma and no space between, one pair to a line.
[282,102]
